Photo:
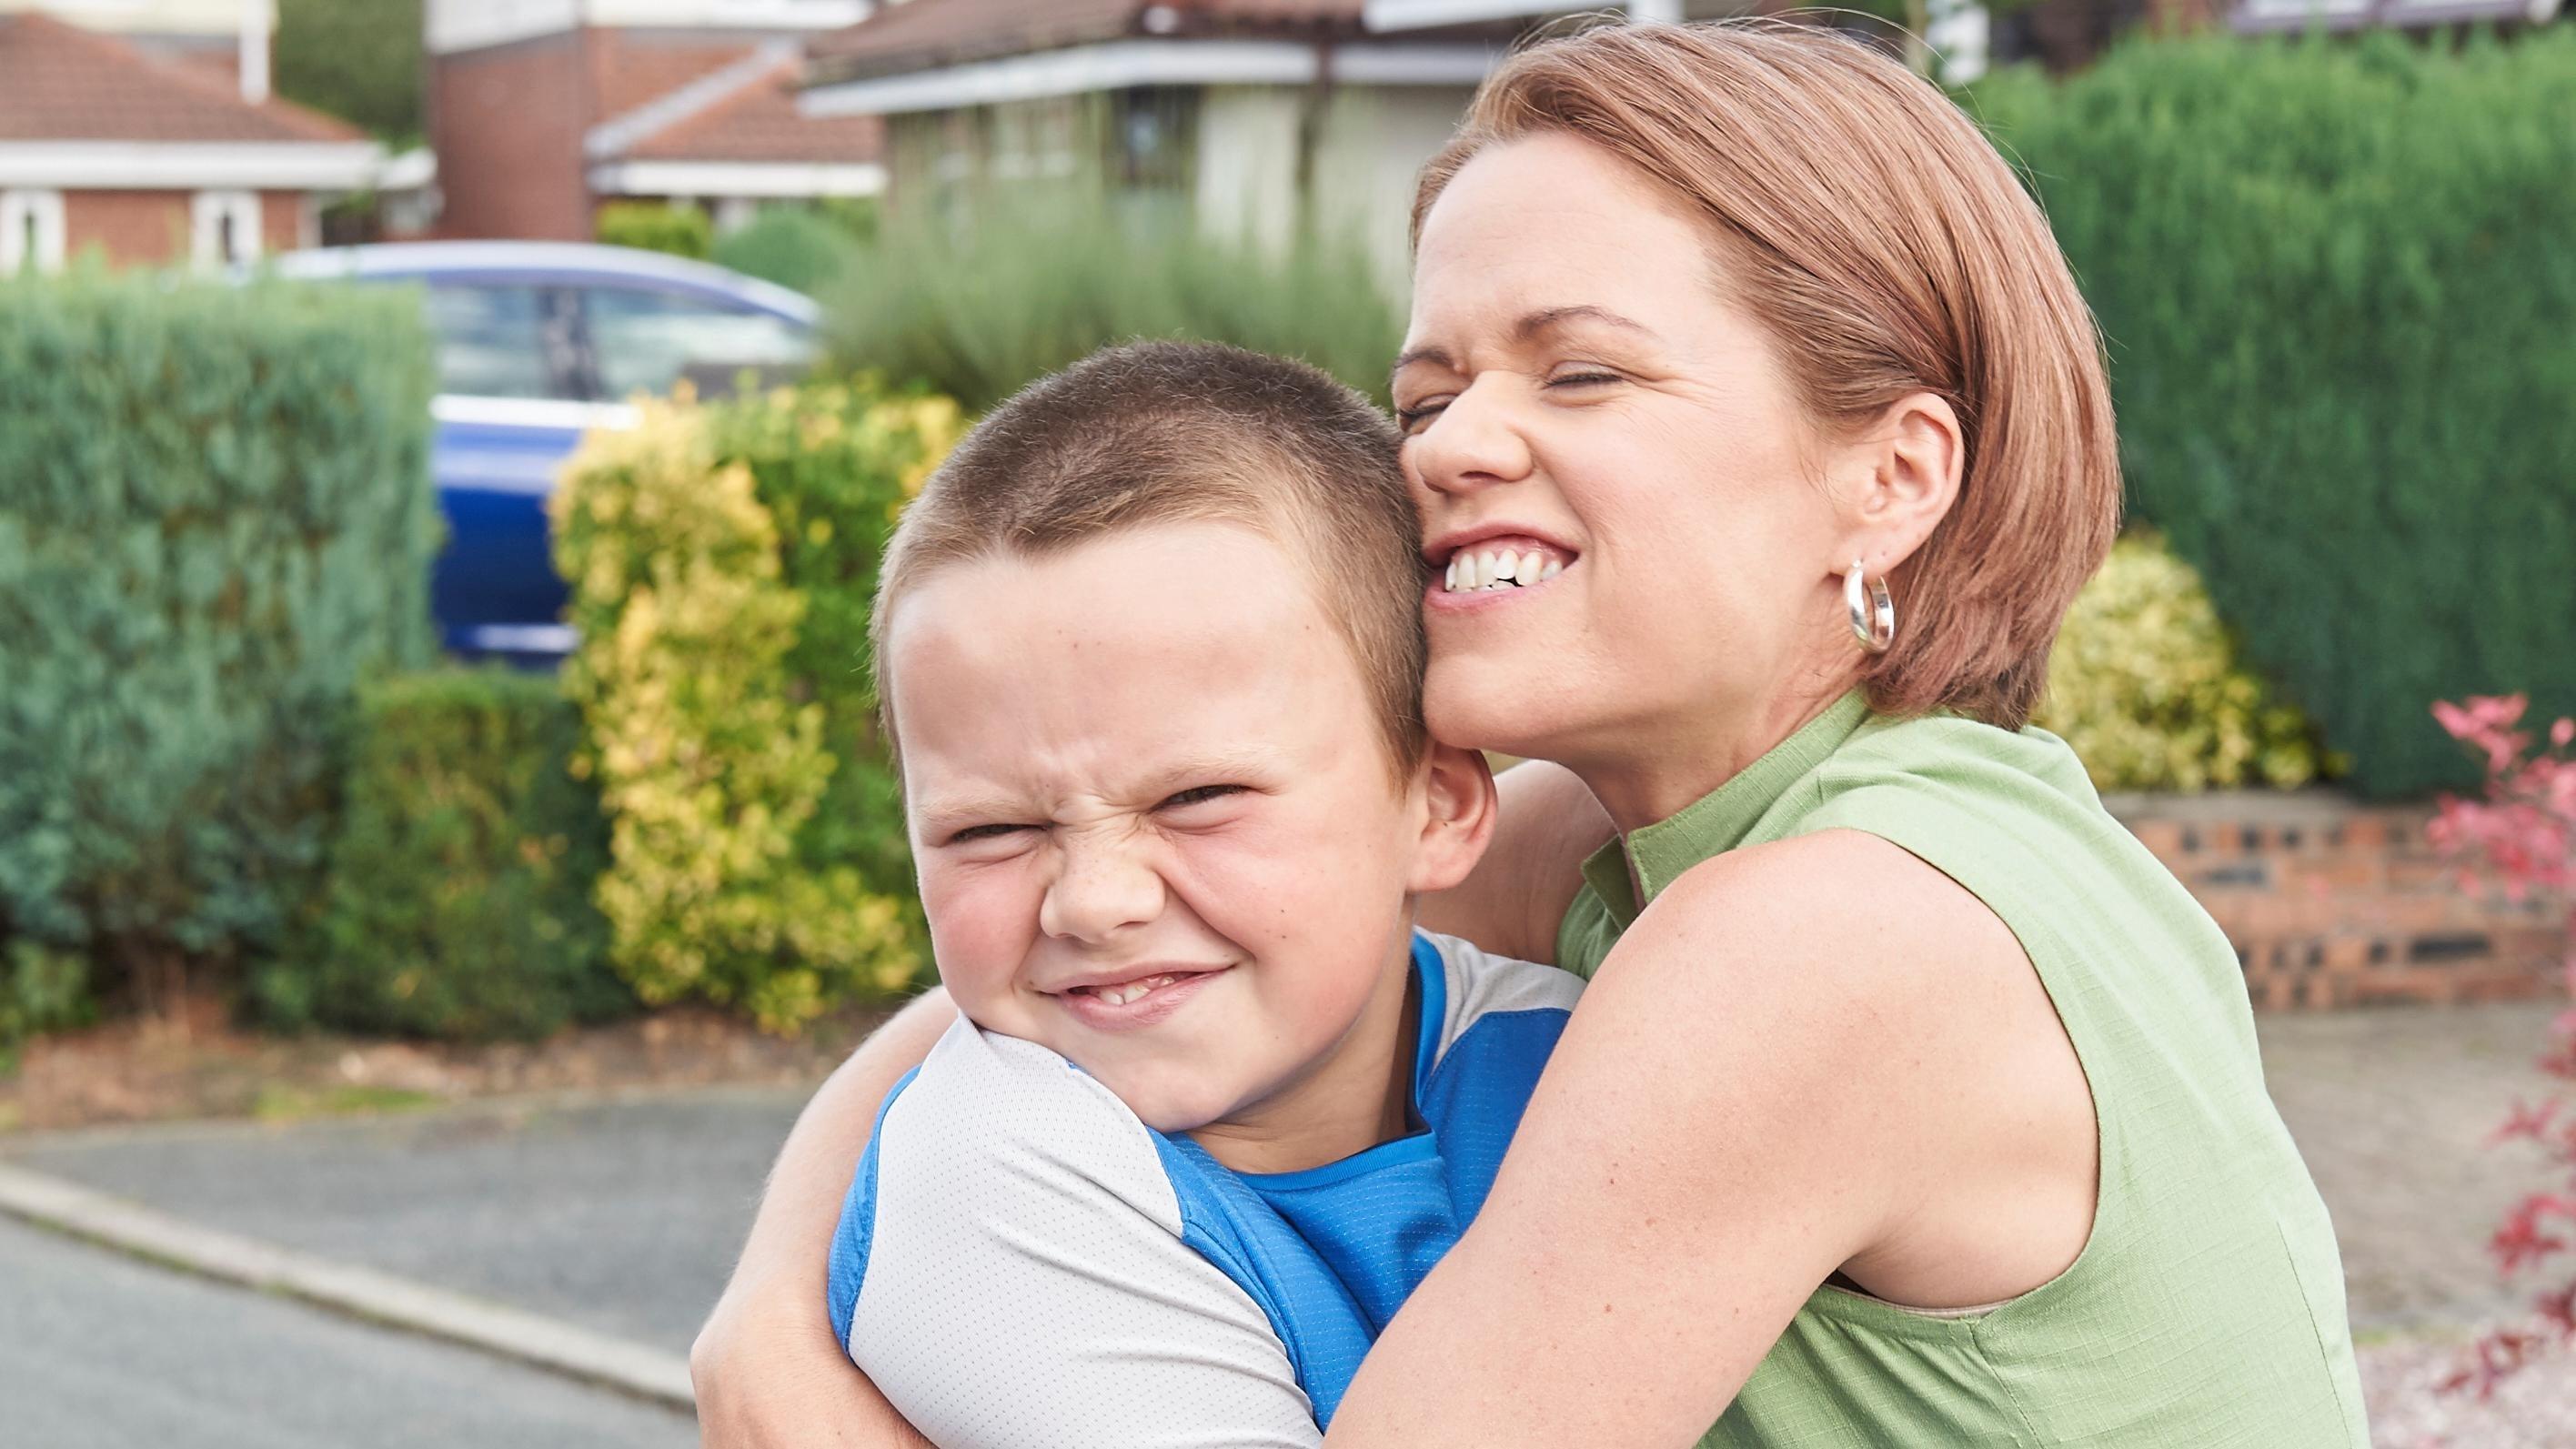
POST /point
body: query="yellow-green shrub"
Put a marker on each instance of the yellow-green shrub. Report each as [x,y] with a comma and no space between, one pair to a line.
[2145,685]
[757,851]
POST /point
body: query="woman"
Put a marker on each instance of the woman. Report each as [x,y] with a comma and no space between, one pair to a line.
[1912,1102]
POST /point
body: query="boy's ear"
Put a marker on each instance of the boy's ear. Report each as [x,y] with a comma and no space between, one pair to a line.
[1458,822]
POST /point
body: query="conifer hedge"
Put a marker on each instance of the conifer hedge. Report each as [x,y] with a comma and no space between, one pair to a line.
[215,518]
[458,897]
[2339,283]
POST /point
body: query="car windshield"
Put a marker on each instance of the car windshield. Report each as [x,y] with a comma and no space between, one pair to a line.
[646,341]
[498,341]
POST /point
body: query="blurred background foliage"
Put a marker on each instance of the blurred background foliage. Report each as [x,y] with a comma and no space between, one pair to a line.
[657,226]
[721,561]
[359,60]
[2145,684]
[976,309]
[2340,295]
[216,522]
[458,900]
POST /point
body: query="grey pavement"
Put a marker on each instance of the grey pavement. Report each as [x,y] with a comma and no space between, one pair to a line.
[2392,1108]
[99,1351]
[621,1216]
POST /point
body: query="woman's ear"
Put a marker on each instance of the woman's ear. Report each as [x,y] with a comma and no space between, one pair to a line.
[1906,470]
[1458,821]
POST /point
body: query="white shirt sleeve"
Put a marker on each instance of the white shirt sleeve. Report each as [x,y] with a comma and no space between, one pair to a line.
[1026,1283]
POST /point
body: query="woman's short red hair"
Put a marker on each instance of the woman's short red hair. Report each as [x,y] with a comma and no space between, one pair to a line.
[1887,249]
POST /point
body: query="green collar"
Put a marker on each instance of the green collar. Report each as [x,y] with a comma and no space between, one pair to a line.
[1650,859]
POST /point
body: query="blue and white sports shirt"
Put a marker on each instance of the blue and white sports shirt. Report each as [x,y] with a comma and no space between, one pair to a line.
[1022,1262]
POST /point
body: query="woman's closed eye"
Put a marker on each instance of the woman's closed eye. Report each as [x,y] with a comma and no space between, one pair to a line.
[1566,378]
[1581,377]
[1410,417]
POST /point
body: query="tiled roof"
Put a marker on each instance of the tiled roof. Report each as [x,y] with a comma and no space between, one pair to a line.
[759,123]
[627,72]
[62,83]
[919,34]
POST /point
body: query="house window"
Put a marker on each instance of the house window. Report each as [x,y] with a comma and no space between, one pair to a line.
[1153,131]
[223,228]
[31,231]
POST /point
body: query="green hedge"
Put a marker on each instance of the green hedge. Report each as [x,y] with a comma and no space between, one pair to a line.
[1026,290]
[215,519]
[2339,282]
[458,897]
[654,226]
[721,560]
[797,247]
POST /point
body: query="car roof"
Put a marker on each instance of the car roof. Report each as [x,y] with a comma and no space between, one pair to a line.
[541,262]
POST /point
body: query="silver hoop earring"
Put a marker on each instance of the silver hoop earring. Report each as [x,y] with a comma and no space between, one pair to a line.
[1873,613]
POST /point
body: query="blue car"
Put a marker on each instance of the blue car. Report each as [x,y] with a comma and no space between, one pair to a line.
[539,342]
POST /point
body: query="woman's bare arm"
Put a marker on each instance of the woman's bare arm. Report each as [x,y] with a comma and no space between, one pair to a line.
[1780,1072]
[766,1369]
[1518,894]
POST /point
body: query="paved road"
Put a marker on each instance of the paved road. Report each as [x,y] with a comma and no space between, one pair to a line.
[620,1216]
[98,1351]
[2392,1109]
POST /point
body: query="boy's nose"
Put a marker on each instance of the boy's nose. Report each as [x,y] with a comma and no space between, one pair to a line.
[1098,889]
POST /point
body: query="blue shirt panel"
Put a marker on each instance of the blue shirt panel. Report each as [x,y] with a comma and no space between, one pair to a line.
[1330,1253]
[848,1266]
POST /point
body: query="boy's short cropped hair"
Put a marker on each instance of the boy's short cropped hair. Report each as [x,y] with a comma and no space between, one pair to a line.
[1172,432]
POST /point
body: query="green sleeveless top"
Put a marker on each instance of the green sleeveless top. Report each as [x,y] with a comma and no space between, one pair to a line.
[2207,1308]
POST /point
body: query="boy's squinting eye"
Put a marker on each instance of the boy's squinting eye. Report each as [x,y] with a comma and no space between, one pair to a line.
[973,833]
[1198,795]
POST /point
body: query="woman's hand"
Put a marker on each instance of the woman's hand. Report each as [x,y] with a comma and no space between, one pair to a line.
[766,1369]
[1518,894]
[1805,1057]
[764,1382]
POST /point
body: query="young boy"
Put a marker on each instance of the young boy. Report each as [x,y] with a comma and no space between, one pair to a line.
[1151,655]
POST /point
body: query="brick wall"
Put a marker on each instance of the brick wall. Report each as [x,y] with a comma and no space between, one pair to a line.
[135,228]
[151,228]
[2331,903]
[281,220]
[507,123]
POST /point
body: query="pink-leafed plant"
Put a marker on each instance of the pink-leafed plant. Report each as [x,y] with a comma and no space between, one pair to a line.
[2522,836]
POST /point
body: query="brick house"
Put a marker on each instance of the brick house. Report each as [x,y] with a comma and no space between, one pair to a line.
[1255,118]
[542,110]
[158,153]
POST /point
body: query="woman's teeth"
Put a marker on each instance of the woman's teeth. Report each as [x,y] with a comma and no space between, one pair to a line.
[1127,991]
[1498,569]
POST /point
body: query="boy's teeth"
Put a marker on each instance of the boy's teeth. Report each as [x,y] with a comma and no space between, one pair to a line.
[1499,568]
[1127,991]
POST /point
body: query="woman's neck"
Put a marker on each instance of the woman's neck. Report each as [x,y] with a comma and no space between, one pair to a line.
[1658,773]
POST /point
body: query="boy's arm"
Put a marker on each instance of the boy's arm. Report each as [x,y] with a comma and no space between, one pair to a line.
[1013,1268]
[766,1369]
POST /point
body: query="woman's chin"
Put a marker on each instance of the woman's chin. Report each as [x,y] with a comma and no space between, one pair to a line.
[1484,709]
